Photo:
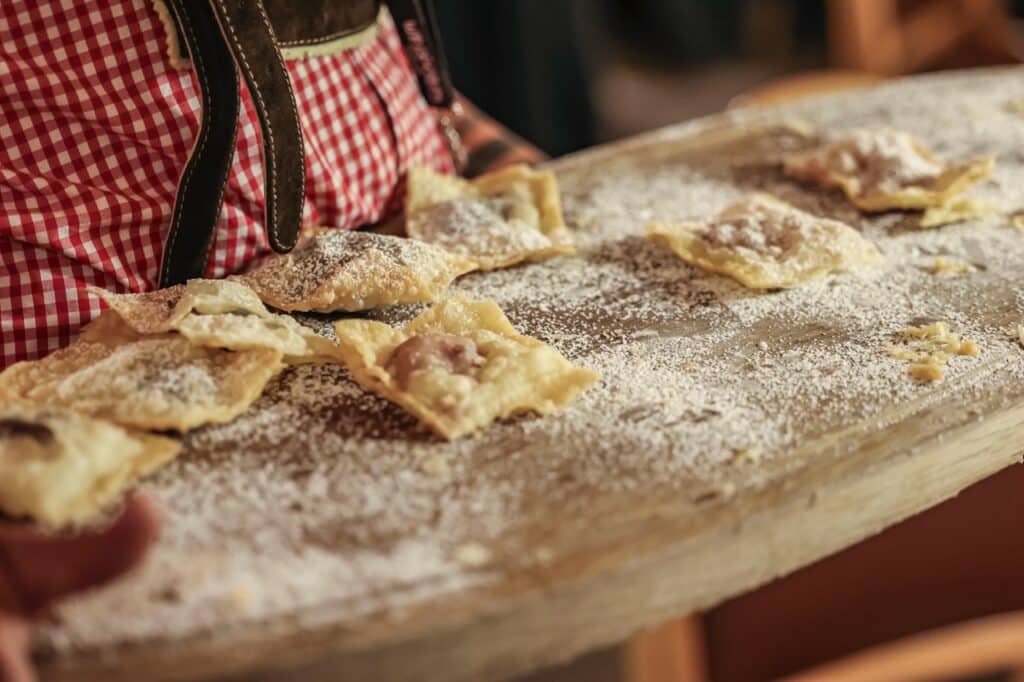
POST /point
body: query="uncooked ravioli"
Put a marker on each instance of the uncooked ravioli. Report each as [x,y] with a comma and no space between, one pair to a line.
[459,366]
[499,219]
[60,467]
[158,382]
[764,243]
[159,311]
[217,314]
[884,169]
[341,270]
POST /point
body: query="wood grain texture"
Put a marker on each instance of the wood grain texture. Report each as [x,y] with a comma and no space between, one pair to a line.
[625,557]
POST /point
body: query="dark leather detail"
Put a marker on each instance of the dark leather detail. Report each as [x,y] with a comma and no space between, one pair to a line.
[417,27]
[201,187]
[246,27]
[483,158]
[311,22]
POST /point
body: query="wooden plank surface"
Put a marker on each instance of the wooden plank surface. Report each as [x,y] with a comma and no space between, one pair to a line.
[735,437]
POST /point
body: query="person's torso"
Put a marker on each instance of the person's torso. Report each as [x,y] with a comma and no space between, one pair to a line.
[99,122]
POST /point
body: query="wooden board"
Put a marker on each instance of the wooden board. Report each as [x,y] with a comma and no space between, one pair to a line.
[307,538]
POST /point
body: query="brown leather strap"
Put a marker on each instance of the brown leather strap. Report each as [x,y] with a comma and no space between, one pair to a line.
[224,38]
[246,28]
[227,37]
[417,27]
[201,186]
[314,22]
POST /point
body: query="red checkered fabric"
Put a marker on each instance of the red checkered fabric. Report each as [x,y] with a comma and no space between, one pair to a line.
[97,124]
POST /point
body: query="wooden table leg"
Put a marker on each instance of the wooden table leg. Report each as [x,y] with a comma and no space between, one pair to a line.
[672,652]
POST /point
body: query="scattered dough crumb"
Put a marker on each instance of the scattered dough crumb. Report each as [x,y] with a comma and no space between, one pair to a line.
[970,348]
[435,465]
[1020,335]
[1018,221]
[927,371]
[1015,106]
[473,554]
[929,348]
[956,210]
[947,267]
[749,455]
[241,597]
[544,555]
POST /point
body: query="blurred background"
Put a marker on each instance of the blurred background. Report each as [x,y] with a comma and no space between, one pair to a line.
[566,74]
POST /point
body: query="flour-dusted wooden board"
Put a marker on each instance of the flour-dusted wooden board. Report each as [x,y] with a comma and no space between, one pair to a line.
[735,436]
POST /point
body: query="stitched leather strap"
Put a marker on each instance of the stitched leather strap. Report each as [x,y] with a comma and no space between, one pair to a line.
[201,186]
[246,27]
[227,37]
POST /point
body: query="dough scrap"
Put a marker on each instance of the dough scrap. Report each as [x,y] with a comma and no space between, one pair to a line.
[928,349]
[60,467]
[948,267]
[764,243]
[499,219]
[508,373]
[956,210]
[159,382]
[884,169]
[218,314]
[343,270]
[473,555]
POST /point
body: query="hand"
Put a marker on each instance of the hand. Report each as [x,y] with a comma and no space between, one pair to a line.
[37,569]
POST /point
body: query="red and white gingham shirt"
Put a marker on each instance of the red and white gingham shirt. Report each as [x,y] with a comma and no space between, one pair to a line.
[96,125]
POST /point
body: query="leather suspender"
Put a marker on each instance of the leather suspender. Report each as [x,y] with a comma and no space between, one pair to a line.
[225,38]
[417,27]
[201,186]
[228,37]
[250,37]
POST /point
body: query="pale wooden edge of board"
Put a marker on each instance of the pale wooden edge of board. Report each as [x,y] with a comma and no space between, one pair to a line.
[533,627]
